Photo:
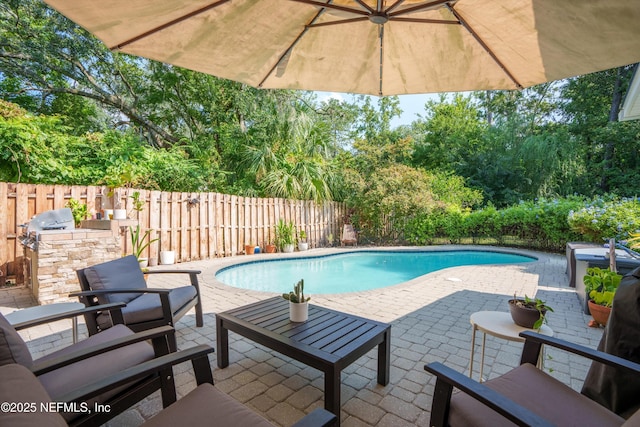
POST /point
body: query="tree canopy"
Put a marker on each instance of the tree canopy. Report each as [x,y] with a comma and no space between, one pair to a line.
[76,113]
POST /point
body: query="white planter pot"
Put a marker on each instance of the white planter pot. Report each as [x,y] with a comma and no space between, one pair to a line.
[119,214]
[298,312]
[167,257]
[108,214]
[144,262]
[303,246]
[288,248]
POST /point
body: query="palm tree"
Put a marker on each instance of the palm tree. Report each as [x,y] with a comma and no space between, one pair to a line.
[295,161]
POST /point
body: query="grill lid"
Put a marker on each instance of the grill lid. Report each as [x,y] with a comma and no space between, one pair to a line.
[57,219]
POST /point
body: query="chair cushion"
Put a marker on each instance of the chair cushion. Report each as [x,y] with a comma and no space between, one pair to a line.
[81,373]
[148,307]
[538,392]
[207,406]
[121,273]
[20,386]
[13,349]
[633,421]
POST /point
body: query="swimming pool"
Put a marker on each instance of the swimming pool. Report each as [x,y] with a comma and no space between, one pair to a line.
[353,271]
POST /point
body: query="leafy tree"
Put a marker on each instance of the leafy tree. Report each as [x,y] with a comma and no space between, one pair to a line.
[52,56]
[449,133]
[609,148]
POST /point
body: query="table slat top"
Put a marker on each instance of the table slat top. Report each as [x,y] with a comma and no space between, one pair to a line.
[328,331]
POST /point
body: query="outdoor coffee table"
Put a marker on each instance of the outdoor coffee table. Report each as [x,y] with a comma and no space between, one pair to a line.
[329,341]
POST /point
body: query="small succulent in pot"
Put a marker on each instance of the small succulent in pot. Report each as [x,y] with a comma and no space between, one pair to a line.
[529,312]
[297,295]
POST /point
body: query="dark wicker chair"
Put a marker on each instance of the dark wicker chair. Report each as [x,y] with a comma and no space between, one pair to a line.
[524,396]
[122,280]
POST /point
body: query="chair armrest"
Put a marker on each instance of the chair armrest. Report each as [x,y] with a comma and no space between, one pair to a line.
[197,355]
[193,276]
[448,378]
[120,291]
[59,362]
[173,271]
[317,418]
[533,342]
[117,306]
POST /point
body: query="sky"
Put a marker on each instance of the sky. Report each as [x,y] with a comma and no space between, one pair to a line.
[411,105]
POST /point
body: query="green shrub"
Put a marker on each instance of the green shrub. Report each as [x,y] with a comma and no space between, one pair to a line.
[603,218]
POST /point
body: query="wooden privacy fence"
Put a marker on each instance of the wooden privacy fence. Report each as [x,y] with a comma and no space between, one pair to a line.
[195,225]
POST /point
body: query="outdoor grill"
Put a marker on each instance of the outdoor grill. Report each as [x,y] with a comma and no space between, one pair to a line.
[57,219]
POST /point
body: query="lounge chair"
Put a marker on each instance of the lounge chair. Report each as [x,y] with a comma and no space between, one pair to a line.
[525,395]
[122,280]
[204,406]
[107,353]
[349,236]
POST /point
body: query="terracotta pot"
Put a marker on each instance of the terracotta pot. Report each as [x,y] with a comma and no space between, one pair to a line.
[600,313]
[249,249]
[523,316]
[270,249]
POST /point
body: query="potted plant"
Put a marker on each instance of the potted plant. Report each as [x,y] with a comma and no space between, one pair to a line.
[528,313]
[601,286]
[298,304]
[270,248]
[302,241]
[139,242]
[249,249]
[285,235]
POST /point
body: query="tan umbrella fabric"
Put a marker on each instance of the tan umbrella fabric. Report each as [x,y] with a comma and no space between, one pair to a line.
[372,47]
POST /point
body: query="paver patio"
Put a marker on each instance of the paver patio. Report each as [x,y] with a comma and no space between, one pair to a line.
[430,322]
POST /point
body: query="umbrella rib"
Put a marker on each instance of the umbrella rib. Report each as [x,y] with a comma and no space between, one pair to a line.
[425,6]
[484,46]
[332,6]
[426,21]
[284,58]
[393,6]
[344,21]
[366,6]
[168,24]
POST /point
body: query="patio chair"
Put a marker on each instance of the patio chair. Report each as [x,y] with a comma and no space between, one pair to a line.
[524,396]
[203,406]
[99,356]
[122,280]
[349,236]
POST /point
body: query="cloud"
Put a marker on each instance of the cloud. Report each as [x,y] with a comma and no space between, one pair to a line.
[326,96]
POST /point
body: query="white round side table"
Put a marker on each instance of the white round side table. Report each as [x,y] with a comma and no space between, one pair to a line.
[500,325]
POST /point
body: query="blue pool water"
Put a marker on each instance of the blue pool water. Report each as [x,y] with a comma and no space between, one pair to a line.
[353,271]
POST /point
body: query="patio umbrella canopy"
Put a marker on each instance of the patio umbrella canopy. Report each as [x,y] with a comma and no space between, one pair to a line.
[371,47]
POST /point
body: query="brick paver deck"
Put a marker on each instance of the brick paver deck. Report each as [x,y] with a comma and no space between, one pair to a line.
[430,322]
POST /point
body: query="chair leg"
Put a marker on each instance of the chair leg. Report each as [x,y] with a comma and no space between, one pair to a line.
[173,343]
[199,316]
[441,403]
[168,387]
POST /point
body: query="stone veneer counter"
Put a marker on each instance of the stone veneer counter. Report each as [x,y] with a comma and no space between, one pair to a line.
[60,253]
